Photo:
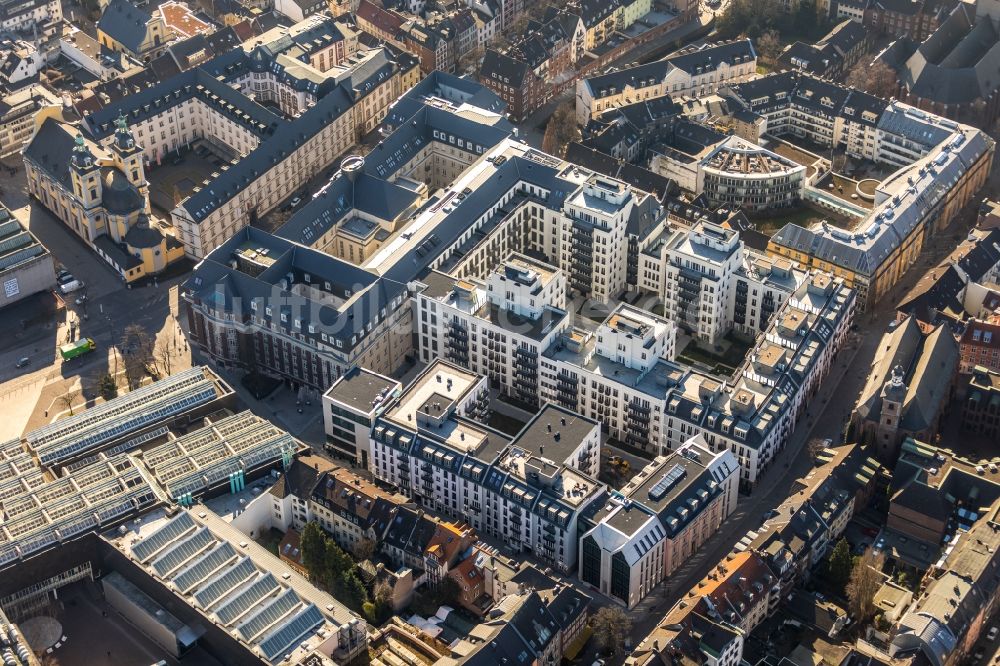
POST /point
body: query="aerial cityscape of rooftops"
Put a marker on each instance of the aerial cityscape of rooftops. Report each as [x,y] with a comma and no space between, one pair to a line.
[499,333]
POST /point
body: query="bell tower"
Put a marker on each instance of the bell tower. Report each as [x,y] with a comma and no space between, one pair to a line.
[128,156]
[85,174]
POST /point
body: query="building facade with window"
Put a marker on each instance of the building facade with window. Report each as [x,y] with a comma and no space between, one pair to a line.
[639,536]
[102,195]
[527,491]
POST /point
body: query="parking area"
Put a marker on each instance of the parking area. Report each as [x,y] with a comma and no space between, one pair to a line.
[70,251]
[175,178]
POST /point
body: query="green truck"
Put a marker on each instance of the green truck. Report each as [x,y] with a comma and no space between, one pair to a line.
[71,350]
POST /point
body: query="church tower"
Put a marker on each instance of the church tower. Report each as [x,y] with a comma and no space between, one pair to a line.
[128,157]
[85,174]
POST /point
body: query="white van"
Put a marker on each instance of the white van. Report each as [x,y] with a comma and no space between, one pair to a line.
[70,287]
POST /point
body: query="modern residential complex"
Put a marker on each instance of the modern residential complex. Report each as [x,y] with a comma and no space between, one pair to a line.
[510,320]
[639,536]
[940,165]
[528,491]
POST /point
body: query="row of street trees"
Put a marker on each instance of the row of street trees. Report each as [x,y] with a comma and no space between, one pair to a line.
[140,354]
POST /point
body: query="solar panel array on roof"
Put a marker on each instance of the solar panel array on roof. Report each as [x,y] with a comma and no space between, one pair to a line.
[247,599]
[144,550]
[182,552]
[270,614]
[663,486]
[90,429]
[291,633]
[209,595]
[204,567]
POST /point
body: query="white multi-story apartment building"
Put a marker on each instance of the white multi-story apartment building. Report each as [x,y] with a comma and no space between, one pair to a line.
[497,328]
[613,374]
[693,272]
[711,283]
[518,335]
[694,71]
[527,491]
[639,536]
[754,413]
[623,373]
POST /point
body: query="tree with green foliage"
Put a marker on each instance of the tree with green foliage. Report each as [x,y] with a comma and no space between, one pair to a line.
[107,386]
[338,562]
[839,564]
[312,544]
[349,589]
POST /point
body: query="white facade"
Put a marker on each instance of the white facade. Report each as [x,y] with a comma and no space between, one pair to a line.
[427,446]
[755,415]
[660,519]
[693,72]
[693,273]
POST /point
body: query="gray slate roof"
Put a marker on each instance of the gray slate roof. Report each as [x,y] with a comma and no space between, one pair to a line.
[125,23]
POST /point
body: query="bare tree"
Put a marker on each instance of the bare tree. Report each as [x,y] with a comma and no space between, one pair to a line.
[363,549]
[769,45]
[137,347]
[815,447]
[382,593]
[611,625]
[866,579]
[164,355]
[876,78]
[67,398]
[469,61]
[561,129]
